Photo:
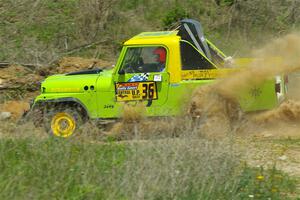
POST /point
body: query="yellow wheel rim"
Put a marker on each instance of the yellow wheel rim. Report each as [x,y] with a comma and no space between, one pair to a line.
[63,124]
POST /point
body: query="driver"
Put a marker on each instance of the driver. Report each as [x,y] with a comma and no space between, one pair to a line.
[160,53]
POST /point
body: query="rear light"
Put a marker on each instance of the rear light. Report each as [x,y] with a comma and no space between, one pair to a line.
[278,84]
[277,88]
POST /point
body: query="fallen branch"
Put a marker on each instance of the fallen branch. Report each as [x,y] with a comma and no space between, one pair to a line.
[85,46]
[29,66]
[4,64]
[4,87]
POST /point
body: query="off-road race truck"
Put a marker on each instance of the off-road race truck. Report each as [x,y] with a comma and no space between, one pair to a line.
[159,69]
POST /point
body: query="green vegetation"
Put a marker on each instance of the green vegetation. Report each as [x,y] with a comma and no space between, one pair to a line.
[159,169]
[42,31]
[289,142]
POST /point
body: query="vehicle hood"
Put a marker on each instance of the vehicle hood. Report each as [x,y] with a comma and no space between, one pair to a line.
[73,82]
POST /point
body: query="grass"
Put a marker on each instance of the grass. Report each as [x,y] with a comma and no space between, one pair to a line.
[54,169]
[289,142]
[185,168]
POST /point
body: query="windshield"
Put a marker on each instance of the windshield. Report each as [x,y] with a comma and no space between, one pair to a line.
[144,59]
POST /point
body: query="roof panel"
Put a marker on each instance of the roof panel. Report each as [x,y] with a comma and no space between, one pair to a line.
[153,37]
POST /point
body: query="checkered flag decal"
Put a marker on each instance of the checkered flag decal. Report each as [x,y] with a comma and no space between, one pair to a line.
[145,76]
[139,78]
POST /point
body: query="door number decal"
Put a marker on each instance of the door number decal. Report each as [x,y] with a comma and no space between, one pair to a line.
[136,91]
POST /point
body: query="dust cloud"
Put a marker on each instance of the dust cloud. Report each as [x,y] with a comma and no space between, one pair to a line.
[218,105]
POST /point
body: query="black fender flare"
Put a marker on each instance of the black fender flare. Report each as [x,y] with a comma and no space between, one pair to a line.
[40,103]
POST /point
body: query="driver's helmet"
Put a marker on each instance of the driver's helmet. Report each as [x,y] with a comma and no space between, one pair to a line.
[161,54]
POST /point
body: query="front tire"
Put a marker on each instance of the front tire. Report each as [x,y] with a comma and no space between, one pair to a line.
[63,122]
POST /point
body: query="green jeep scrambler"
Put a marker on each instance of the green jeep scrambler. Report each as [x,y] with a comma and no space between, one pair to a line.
[160,69]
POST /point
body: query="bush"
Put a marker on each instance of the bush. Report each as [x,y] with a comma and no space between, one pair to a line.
[173,16]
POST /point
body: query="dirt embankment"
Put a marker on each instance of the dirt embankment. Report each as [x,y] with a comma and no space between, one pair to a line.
[19,84]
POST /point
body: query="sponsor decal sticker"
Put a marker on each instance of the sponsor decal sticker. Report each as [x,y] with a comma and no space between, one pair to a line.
[157,77]
[136,91]
[205,73]
[255,92]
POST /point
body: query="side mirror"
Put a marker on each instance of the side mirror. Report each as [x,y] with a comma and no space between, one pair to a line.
[121,72]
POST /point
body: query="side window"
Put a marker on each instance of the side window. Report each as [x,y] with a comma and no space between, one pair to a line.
[191,59]
[144,59]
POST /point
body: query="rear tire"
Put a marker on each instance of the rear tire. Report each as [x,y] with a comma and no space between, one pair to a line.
[62,122]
